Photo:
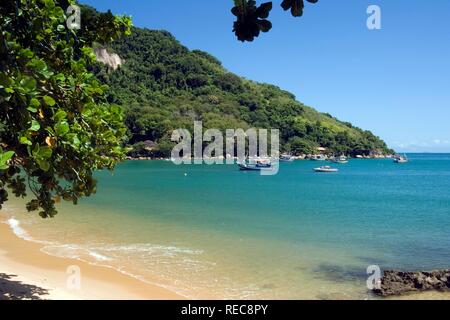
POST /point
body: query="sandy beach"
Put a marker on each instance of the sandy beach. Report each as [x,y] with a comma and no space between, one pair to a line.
[28,273]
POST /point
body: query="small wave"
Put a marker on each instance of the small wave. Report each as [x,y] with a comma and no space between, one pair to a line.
[98,256]
[97,252]
[20,232]
[151,249]
[52,248]
[74,251]
[14,224]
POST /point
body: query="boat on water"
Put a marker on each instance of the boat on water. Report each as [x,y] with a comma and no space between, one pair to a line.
[258,166]
[287,158]
[401,159]
[319,158]
[326,169]
[340,160]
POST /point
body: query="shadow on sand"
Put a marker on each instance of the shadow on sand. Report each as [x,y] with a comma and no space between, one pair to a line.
[17,290]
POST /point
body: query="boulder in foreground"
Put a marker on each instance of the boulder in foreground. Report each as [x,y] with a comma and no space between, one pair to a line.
[394,283]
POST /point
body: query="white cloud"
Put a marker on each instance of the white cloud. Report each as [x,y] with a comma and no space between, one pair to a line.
[436,145]
[439,141]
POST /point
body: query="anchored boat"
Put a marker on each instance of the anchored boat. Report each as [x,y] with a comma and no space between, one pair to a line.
[401,159]
[255,167]
[286,158]
[340,160]
[319,158]
[326,169]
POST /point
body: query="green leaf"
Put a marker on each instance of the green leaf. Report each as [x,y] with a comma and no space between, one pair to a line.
[76,142]
[37,64]
[26,53]
[24,140]
[28,84]
[5,80]
[47,74]
[41,155]
[60,115]
[34,104]
[4,158]
[49,101]
[35,126]
[43,164]
[115,109]
[49,4]
[60,77]
[45,152]
[62,128]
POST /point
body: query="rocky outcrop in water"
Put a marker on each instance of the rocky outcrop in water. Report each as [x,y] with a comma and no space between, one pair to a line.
[394,283]
[112,60]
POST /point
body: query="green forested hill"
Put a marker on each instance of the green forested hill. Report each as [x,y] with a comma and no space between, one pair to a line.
[163,86]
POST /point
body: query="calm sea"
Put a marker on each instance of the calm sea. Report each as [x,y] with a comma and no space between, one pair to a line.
[216,232]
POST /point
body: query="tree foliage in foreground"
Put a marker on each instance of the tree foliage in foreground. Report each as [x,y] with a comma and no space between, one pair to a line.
[56,126]
[251,19]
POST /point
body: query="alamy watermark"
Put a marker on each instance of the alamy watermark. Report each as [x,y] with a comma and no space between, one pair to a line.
[374,19]
[374,279]
[73,13]
[73,281]
[240,146]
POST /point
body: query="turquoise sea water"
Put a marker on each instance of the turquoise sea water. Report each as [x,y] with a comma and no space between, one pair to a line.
[217,232]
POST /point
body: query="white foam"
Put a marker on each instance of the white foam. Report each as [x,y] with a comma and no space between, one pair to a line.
[18,230]
[151,249]
[73,251]
[98,256]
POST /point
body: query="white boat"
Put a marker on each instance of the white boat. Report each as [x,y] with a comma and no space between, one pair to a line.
[340,160]
[319,158]
[286,158]
[255,167]
[326,169]
[401,159]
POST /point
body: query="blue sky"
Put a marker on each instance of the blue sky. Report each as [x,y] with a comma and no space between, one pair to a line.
[394,81]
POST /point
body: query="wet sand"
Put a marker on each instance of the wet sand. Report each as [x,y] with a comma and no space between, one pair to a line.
[28,273]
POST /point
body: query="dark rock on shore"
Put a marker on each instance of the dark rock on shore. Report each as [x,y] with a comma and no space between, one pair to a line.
[394,283]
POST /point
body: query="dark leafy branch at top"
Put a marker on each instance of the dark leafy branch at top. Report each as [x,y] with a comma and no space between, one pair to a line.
[252,19]
[296,6]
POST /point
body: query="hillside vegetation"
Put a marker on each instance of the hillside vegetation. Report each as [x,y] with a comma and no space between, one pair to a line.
[162,86]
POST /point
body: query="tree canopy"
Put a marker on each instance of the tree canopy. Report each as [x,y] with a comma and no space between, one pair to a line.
[56,125]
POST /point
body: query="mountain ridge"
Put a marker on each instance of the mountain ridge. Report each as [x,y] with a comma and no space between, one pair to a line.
[162,85]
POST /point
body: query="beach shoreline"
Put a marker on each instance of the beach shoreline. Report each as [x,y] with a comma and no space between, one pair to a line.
[27,273]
